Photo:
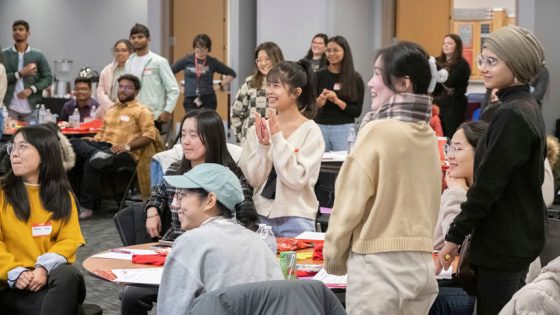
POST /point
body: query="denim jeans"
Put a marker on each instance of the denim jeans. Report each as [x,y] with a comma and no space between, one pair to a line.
[452,301]
[156,174]
[336,136]
[289,226]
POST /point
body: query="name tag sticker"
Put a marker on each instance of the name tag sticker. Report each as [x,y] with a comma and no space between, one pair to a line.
[148,71]
[125,118]
[41,229]
[337,87]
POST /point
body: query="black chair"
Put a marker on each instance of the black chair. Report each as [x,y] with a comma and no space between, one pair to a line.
[552,247]
[131,224]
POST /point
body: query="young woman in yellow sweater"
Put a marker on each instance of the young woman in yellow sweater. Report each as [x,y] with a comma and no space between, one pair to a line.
[39,229]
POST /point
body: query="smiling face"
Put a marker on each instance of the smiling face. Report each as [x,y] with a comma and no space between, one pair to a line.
[191,206]
[498,75]
[380,93]
[83,92]
[25,160]
[193,148]
[448,47]
[279,96]
[264,63]
[335,53]
[121,53]
[318,46]
[461,157]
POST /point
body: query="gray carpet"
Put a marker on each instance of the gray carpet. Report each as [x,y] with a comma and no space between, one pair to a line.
[100,234]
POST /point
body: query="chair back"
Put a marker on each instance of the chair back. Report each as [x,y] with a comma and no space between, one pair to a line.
[131,224]
[551,248]
[307,297]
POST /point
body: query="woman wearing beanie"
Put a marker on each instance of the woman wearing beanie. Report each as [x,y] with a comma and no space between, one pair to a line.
[504,210]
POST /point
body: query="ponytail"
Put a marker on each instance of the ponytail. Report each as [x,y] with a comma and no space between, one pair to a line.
[306,100]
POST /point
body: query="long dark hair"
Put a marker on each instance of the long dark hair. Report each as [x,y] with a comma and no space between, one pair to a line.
[54,190]
[348,76]
[405,59]
[297,75]
[309,54]
[473,131]
[457,54]
[274,54]
[211,131]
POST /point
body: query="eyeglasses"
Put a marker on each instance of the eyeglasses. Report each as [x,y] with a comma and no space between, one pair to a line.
[489,62]
[448,149]
[20,148]
[180,194]
[126,87]
[200,47]
[259,61]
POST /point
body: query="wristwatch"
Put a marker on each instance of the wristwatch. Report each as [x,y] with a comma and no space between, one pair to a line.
[127,147]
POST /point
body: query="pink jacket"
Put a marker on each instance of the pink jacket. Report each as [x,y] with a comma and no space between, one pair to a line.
[104,89]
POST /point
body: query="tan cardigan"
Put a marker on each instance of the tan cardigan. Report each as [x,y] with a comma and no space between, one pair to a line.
[387,193]
[297,161]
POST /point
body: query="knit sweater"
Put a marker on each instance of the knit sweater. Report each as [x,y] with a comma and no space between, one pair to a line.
[450,206]
[297,161]
[387,193]
[18,247]
[217,254]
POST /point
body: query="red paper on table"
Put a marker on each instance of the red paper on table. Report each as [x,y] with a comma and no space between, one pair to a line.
[154,259]
[92,124]
[318,251]
[285,244]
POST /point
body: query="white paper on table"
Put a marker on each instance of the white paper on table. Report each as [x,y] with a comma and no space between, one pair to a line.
[139,276]
[314,236]
[334,156]
[124,254]
[445,273]
[329,279]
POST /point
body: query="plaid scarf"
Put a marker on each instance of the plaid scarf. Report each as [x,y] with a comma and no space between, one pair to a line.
[405,107]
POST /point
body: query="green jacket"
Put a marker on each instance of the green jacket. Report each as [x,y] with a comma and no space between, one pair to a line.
[37,83]
[159,89]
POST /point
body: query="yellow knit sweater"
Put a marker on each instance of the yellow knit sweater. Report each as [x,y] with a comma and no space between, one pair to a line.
[387,193]
[18,248]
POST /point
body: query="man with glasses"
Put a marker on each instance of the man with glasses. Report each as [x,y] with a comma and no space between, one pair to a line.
[159,87]
[127,128]
[83,101]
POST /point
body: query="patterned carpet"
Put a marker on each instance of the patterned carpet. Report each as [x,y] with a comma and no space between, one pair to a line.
[100,234]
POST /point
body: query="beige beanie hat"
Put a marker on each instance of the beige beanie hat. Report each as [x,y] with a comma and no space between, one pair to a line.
[519,49]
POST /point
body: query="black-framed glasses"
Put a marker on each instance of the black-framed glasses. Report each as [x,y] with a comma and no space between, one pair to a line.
[448,149]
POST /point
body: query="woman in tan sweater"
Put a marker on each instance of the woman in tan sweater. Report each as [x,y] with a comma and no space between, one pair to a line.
[388,193]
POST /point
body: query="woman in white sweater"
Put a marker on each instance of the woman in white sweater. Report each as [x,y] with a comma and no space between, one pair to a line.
[282,156]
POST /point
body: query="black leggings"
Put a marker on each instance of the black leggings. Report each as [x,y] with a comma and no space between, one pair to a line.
[63,294]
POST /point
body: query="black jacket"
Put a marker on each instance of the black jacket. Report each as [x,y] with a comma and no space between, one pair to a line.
[504,205]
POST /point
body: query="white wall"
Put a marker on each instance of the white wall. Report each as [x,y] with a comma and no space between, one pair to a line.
[80,30]
[542,18]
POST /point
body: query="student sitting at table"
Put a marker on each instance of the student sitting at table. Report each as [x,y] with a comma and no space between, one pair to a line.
[202,141]
[82,100]
[281,157]
[215,251]
[39,230]
[451,298]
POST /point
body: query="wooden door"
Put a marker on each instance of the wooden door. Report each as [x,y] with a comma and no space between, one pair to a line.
[193,17]
[424,22]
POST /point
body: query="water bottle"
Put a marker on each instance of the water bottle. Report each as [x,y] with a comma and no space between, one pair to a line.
[74,119]
[49,117]
[5,117]
[351,138]
[270,239]
[42,112]
[92,113]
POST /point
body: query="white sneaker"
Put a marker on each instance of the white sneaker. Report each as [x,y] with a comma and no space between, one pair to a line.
[101,159]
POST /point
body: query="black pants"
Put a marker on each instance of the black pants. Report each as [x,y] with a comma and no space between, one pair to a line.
[496,287]
[138,300]
[208,101]
[64,293]
[90,177]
